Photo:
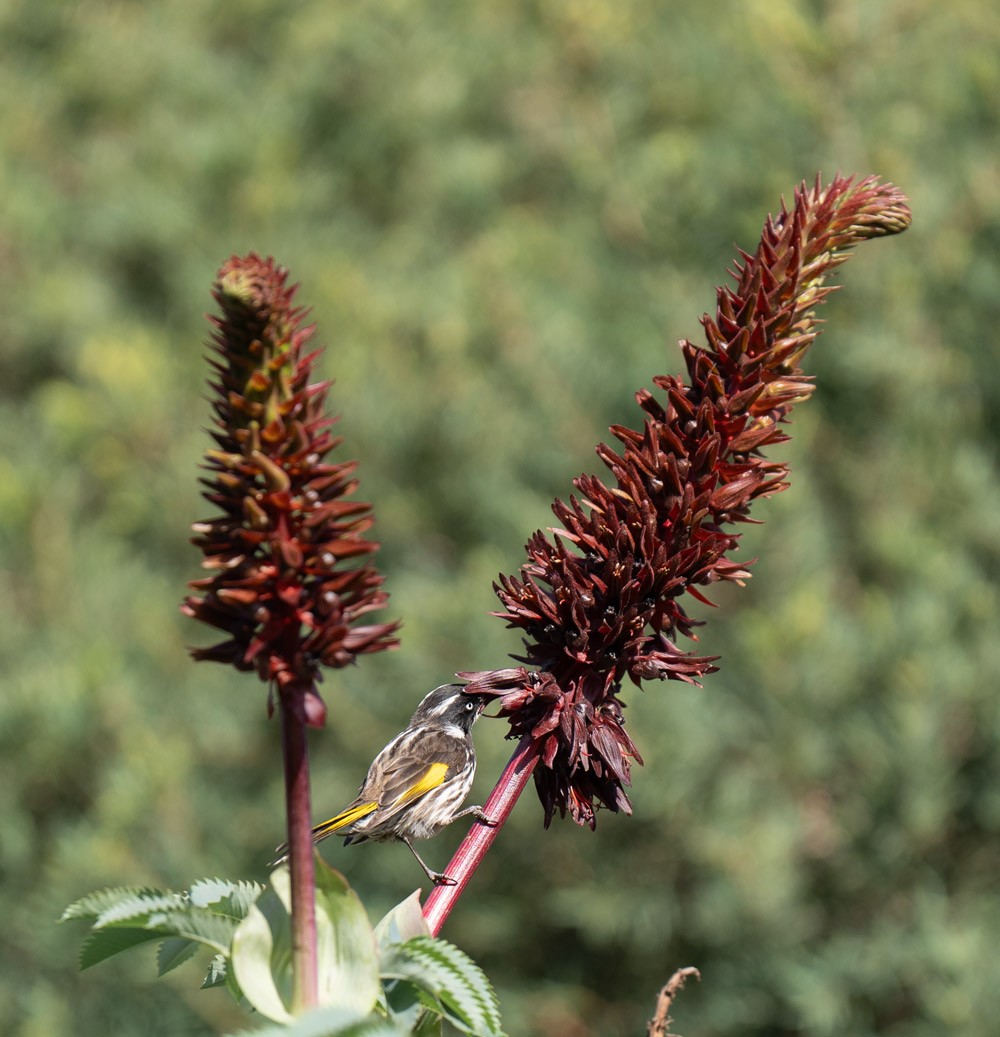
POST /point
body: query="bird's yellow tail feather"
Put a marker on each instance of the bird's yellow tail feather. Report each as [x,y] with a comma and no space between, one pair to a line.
[342,820]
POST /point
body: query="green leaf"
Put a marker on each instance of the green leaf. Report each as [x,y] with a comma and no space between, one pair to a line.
[95,904]
[402,923]
[253,948]
[195,923]
[173,951]
[409,1005]
[430,1026]
[330,1021]
[103,943]
[126,910]
[347,956]
[220,974]
[128,917]
[452,976]
[347,959]
[123,904]
[228,898]
[218,969]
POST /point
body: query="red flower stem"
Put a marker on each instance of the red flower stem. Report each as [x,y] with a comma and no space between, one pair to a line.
[473,848]
[295,749]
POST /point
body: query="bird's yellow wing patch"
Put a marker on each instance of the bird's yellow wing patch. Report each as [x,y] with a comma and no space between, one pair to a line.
[343,819]
[432,777]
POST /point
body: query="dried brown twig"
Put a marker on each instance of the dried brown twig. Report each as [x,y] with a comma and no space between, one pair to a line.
[659,1025]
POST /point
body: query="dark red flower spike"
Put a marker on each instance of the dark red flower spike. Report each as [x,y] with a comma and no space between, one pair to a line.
[601,598]
[287,582]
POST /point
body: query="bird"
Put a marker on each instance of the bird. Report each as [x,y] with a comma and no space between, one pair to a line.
[418,782]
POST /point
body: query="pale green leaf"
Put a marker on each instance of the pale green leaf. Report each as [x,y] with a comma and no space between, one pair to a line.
[347,955]
[251,962]
[403,922]
[281,883]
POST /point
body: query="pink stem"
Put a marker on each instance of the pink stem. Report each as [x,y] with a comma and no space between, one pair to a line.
[473,848]
[295,749]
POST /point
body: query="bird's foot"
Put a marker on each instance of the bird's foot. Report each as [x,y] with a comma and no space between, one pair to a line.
[482,818]
[479,814]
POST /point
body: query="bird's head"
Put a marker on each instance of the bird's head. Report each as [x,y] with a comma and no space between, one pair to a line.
[449,706]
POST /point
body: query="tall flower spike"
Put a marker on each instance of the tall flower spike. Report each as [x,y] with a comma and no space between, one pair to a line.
[285,582]
[601,599]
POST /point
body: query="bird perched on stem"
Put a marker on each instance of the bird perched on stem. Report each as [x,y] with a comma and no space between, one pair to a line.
[418,782]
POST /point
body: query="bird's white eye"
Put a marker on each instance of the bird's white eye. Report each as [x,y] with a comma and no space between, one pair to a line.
[470,704]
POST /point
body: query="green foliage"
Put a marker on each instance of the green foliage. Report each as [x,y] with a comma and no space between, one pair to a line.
[460,989]
[392,979]
[504,215]
[347,958]
[429,980]
[209,915]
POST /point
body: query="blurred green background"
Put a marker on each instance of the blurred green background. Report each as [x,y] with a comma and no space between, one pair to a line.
[504,215]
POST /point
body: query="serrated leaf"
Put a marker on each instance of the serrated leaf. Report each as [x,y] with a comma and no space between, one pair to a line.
[228,898]
[103,943]
[346,953]
[453,977]
[201,924]
[220,974]
[210,891]
[330,1021]
[403,922]
[128,910]
[218,969]
[139,915]
[173,951]
[95,904]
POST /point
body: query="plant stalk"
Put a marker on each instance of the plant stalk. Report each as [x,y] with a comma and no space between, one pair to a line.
[472,850]
[295,747]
